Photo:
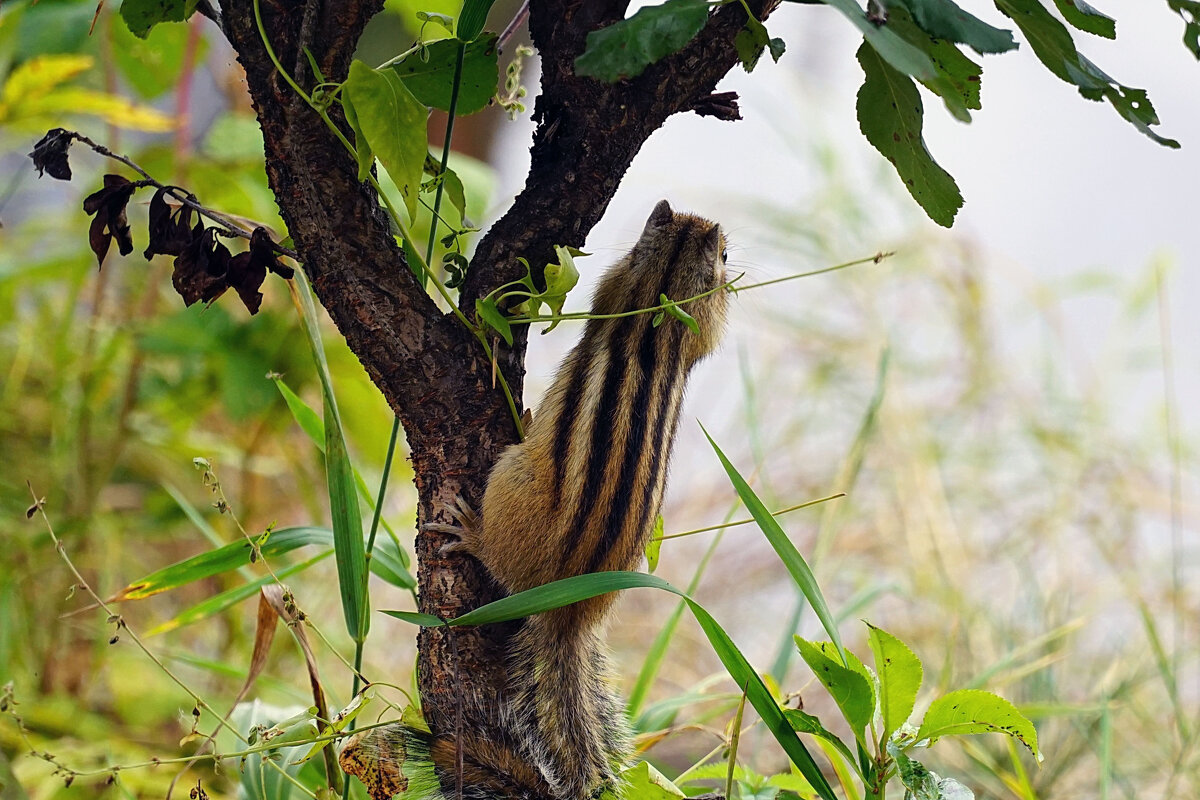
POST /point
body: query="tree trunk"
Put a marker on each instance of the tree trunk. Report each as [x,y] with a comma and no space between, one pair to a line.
[431,370]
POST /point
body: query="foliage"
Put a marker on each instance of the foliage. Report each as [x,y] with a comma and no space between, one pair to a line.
[200,385]
[906,40]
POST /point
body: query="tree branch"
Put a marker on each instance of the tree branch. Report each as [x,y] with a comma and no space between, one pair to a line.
[589,132]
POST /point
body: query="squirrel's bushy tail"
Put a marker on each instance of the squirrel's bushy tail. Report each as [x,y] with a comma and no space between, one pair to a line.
[563,708]
[560,734]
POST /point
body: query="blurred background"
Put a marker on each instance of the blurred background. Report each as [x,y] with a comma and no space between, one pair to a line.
[1008,405]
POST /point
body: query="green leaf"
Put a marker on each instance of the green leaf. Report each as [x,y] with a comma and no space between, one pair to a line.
[803,722]
[890,115]
[624,49]
[486,310]
[389,561]
[392,123]
[850,688]
[787,552]
[583,587]
[919,782]
[429,74]
[1086,18]
[560,278]
[891,47]
[305,417]
[415,618]
[142,15]
[943,19]
[654,545]
[444,20]
[678,313]
[1054,47]
[968,711]
[222,559]
[644,782]
[153,64]
[1189,12]
[958,77]
[900,675]
[363,155]
[214,605]
[751,41]
[452,187]
[349,550]
[393,563]
[472,18]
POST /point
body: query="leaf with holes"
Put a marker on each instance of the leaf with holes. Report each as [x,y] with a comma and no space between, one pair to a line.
[969,711]
[849,686]
[891,116]
[1054,47]
[900,674]
[945,20]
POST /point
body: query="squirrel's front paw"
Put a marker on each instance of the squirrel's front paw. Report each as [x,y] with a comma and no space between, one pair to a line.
[465,533]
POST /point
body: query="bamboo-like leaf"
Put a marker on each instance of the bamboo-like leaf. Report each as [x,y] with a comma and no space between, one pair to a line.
[219,602]
[472,18]
[583,587]
[395,573]
[787,552]
[414,618]
[349,550]
[223,559]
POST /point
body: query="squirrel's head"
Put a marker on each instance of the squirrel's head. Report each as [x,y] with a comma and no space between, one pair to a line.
[682,256]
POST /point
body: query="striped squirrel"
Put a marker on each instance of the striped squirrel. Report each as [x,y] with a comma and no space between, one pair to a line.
[580,494]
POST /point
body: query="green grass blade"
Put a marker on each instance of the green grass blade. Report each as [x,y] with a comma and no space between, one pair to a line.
[314,427]
[223,559]
[657,653]
[219,602]
[558,594]
[787,552]
[229,557]
[583,587]
[349,551]
[415,618]
[194,515]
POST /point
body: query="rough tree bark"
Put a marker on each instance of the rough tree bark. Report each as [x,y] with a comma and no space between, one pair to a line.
[430,369]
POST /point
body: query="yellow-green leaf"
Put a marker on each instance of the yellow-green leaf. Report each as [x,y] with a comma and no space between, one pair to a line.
[392,122]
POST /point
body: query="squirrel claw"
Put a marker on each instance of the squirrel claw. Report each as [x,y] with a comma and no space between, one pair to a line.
[465,532]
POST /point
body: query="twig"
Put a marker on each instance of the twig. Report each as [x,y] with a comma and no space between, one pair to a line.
[230,227]
[510,30]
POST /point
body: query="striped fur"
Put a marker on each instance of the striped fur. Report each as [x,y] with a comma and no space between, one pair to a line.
[581,493]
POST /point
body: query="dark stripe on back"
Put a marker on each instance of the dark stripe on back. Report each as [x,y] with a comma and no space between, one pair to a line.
[664,440]
[603,422]
[621,504]
[567,414]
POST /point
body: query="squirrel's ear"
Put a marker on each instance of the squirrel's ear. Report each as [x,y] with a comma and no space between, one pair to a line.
[712,242]
[660,216]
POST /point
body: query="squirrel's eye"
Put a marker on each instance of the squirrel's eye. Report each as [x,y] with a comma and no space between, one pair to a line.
[724,253]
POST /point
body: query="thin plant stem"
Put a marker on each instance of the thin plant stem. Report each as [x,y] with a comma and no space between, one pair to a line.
[875,259]
[748,521]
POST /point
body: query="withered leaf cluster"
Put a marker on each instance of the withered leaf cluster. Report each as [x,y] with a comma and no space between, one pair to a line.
[50,154]
[109,222]
[204,266]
